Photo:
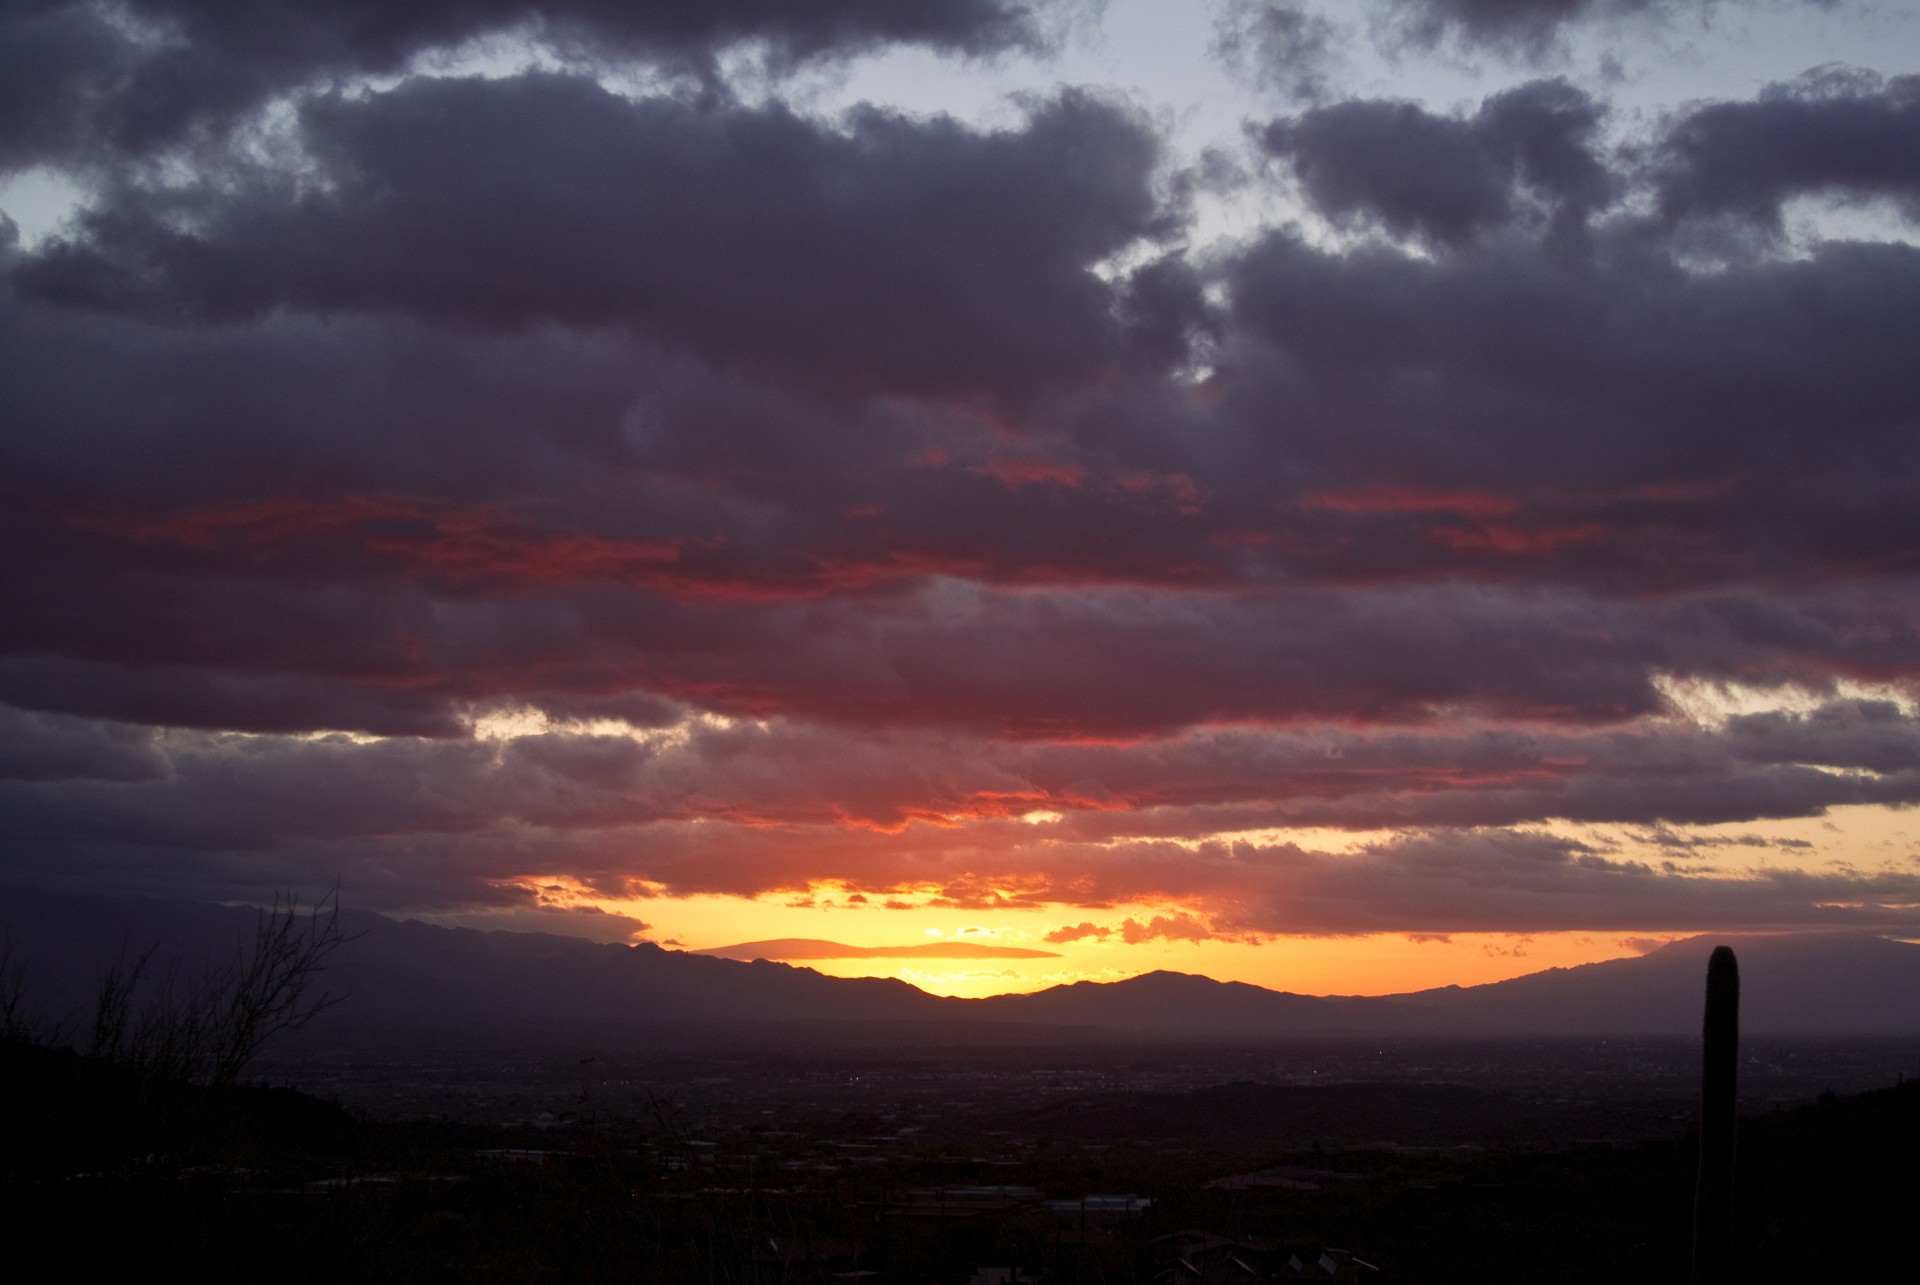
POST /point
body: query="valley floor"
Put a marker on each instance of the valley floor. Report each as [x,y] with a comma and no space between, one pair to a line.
[1140,1172]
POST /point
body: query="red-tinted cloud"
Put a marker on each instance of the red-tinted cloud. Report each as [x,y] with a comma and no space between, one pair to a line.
[1384,498]
[900,502]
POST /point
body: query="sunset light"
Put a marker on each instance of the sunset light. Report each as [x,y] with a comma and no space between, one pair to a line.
[1342,503]
[960,642]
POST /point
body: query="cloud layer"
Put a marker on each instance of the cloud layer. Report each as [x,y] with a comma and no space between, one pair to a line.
[593,470]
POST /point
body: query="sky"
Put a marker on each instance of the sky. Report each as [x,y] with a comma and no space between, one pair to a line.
[1347,497]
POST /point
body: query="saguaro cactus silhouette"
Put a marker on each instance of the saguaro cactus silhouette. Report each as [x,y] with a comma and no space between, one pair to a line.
[1713,1199]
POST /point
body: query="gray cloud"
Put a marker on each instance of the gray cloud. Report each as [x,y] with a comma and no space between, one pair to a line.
[899,255]
[1502,882]
[1524,28]
[1527,152]
[86,80]
[1839,133]
[1512,404]
[1280,44]
[753,808]
[1451,880]
[883,440]
[42,747]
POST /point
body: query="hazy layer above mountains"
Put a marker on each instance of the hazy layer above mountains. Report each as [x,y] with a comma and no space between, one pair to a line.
[426,979]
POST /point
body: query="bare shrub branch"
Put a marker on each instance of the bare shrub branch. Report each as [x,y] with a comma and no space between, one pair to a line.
[14,1024]
[206,1028]
[270,988]
[113,1022]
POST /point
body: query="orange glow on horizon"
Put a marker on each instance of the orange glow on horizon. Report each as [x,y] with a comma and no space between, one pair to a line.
[1064,933]
[1374,964]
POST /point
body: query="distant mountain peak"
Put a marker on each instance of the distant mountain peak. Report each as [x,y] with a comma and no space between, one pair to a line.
[404,974]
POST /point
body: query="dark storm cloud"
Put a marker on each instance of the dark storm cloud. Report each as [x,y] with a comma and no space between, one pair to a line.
[390,616]
[1546,380]
[1524,27]
[56,62]
[942,799]
[1450,880]
[1838,133]
[1476,881]
[622,527]
[899,255]
[1527,151]
[1208,783]
[1607,411]
[205,414]
[211,695]
[82,79]
[463,397]
[1511,412]
[41,747]
[1503,415]
[1858,735]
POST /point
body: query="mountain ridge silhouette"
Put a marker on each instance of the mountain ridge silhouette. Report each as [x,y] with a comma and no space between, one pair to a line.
[408,974]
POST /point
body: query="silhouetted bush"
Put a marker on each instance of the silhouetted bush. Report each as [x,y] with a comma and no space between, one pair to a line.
[205,1028]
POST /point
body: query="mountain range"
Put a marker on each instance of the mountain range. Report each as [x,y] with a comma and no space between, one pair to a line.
[432,982]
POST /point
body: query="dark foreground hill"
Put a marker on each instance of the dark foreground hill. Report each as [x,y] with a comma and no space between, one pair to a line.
[431,983]
[248,1184]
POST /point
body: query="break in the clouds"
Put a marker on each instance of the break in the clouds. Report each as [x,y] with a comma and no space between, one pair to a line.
[507,457]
